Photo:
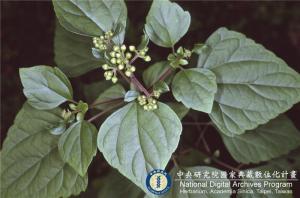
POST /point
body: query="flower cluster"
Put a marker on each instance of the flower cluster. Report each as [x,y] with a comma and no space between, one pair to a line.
[141,53]
[157,93]
[120,58]
[79,109]
[180,57]
[148,104]
[102,42]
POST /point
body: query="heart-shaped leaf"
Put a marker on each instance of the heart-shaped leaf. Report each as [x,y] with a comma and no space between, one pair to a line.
[166,23]
[254,86]
[136,141]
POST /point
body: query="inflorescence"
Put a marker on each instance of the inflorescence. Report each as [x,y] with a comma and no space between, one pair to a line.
[148,104]
[118,57]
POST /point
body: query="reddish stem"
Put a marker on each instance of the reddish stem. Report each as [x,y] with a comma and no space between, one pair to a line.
[138,85]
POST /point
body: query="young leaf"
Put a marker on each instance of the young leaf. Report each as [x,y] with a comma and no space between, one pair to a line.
[117,186]
[92,18]
[144,42]
[136,141]
[114,92]
[176,187]
[162,86]
[77,145]
[195,88]
[166,23]
[254,85]
[154,72]
[131,95]
[277,137]
[45,87]
[73,54]
[30,163]
[179,109]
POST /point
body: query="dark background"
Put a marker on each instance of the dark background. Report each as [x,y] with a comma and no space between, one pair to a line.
[27,33]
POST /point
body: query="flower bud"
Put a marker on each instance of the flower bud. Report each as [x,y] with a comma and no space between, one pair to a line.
[150,107]
[113,60]
[114,79]
[123,47]
[105,67]
[118,55]
[132,68]
[128,55]
[121,66]
[147,58]
[116,48]
[142,53]
[66,114]
[112,54]
[128,73]
[146,107]
[79,116]
[131,48]
[107,77]
[156,93]
[72,106]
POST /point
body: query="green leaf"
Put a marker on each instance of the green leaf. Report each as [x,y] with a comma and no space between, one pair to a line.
[73,54]
[30,163]
[166,23]
[136,141]
[179,109]
[116,186]
[45,87]
[77,146]
[176,187]
[112,94]
[131,95]
[92,18]
[195,88]
[154,72]
[277,137]
[93,90]
[254,86]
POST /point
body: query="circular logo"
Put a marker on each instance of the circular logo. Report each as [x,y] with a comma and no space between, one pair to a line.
[158,182]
